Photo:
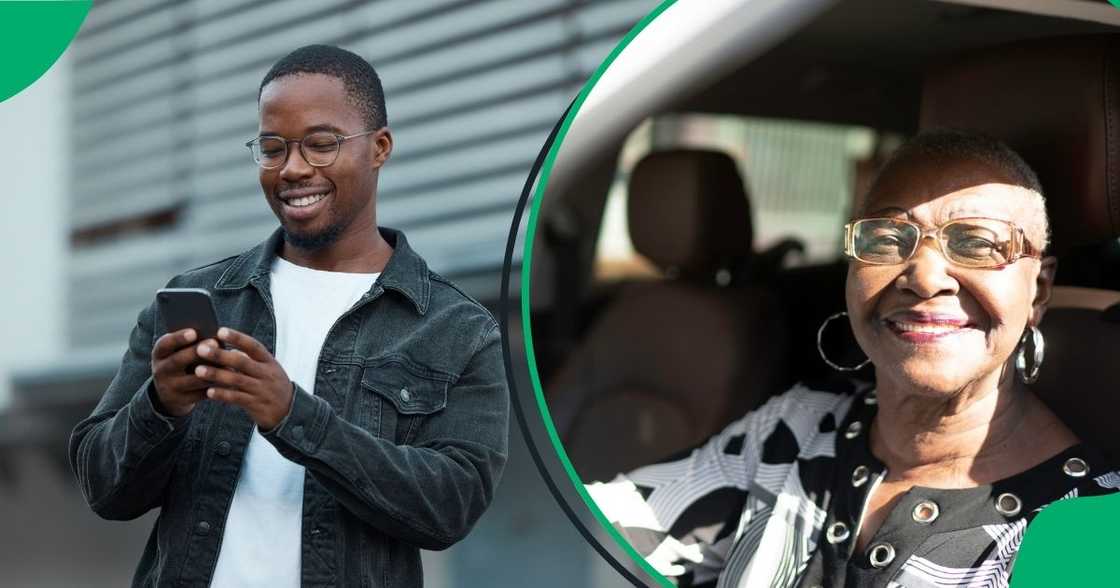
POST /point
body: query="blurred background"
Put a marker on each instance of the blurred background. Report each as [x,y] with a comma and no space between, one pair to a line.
[125,165]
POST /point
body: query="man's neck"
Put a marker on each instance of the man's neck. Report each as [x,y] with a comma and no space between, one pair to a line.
[988,431]
[357,250]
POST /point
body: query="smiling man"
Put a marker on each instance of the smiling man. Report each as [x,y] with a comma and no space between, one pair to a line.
[355,408]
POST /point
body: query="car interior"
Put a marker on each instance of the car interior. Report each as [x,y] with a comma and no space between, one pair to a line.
[638,369]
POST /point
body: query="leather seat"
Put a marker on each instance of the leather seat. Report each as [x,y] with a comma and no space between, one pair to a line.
[1057,102]
[667,363]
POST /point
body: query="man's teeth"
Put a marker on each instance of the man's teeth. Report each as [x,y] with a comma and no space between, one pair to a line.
[925,327]
[306,200]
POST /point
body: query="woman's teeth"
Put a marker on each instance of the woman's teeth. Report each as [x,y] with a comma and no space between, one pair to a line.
[306,200]
[925,327]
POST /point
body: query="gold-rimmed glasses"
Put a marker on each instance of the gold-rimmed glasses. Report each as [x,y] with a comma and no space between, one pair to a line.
[968,242]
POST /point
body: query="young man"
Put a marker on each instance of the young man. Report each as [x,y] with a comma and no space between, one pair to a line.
[355,408]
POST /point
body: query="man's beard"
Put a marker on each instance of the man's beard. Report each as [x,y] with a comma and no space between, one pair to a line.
[314,241]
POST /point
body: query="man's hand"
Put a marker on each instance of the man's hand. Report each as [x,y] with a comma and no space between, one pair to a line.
[247,376]
[178,389]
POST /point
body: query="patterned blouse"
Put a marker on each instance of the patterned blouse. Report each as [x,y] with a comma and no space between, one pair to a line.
[777,497]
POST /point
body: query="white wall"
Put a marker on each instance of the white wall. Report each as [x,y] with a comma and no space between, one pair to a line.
[33,166]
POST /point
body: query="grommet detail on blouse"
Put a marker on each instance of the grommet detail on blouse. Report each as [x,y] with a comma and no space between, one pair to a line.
[925,512]
[853,430]
[881,555]
[860,476]
[871,399]
[837,533]
[1075,467]
[405,394]
[1008,505]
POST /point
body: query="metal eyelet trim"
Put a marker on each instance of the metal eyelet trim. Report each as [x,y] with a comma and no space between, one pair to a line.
[871,399]
[925,512]
[860,475]
[1075,467]
[853,430]
[837,533]
[881,555]
[1008,505]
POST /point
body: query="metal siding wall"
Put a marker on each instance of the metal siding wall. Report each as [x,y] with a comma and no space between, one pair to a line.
[472,89]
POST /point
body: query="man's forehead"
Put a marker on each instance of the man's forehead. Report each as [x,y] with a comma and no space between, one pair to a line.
[307,101]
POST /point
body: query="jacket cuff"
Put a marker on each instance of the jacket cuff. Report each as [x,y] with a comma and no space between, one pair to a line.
[301,432]
[145,415]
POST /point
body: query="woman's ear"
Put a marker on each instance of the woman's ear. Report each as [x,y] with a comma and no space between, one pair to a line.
[382,146]
[1044,288]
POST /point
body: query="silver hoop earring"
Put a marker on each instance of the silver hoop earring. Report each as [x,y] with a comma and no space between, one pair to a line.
[1032,338]
[820,348]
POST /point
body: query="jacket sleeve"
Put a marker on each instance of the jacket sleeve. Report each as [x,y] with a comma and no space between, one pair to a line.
[123,453]
[428,493]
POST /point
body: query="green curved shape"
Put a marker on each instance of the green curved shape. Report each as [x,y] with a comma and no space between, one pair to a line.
[527,261]
[1115,3]
[1070,543]
[33,35]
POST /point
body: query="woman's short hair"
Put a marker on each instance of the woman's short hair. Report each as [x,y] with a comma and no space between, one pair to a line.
[958,145]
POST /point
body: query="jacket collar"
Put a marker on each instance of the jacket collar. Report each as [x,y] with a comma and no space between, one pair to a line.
[406,272]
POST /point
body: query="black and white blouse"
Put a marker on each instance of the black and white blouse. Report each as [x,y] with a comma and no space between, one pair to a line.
[777,497]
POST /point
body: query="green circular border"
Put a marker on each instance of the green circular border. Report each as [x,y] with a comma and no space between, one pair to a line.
[33,35]
[526,262]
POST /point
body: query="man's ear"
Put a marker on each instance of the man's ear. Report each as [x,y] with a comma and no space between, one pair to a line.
[1044,288]
[381,147]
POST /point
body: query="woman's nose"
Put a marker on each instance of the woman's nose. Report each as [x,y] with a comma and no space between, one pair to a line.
[927,272]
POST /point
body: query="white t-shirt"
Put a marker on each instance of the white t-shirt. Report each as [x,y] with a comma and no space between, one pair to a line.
[261,541]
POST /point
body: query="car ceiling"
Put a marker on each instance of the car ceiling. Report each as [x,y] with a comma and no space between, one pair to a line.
[861,61]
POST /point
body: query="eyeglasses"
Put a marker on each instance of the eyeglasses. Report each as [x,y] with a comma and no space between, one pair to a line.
[967,242]
[319,149]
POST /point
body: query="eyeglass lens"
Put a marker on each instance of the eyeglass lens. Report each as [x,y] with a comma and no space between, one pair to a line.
[971,242]
[319,149]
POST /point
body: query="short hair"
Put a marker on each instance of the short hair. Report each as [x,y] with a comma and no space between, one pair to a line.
[363,86]
[958,145]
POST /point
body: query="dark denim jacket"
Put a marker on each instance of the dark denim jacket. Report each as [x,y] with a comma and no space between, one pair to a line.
[403,441]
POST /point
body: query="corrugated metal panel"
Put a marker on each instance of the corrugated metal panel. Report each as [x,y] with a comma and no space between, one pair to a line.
[165,96]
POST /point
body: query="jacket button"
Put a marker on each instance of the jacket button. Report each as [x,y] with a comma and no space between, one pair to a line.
[223,448]
[203,528]
[405,394]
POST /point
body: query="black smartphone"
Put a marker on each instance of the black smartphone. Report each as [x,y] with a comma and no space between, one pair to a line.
[188,308]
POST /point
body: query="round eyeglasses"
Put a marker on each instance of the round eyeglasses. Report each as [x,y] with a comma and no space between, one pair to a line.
[967,242]
[319,149]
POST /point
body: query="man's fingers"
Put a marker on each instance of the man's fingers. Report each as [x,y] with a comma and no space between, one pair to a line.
[244,342]
[230,358]
[224,377]
[229,396]
[171,342]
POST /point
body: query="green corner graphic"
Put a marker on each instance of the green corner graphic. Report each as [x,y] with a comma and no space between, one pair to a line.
[33,35]
[1070,543]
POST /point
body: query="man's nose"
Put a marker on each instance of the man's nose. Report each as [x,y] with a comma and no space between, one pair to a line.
[928,272]
[295,167]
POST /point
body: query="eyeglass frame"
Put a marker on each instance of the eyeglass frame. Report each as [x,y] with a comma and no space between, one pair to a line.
[340,139]
[1020,245]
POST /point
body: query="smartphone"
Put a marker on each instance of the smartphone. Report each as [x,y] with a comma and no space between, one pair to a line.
[188,308]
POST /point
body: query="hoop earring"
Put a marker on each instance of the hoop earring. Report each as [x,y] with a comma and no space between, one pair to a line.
[820,348]
[1032,338]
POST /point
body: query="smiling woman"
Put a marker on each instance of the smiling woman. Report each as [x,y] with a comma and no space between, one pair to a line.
[930,474]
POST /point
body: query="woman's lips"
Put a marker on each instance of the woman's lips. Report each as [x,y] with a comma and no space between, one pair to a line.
[926,327]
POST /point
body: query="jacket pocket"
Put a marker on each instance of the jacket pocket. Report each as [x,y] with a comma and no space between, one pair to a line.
[404,394]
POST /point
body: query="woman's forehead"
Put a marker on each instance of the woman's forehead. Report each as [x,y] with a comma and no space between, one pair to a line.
[937,191]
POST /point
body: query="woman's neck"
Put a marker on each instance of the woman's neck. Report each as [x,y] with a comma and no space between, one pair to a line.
[989,430]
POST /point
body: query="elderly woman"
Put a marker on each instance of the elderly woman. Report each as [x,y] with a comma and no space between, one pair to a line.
[928,477]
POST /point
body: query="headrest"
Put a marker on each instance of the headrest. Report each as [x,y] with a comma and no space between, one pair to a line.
[1057,103]
[688,210]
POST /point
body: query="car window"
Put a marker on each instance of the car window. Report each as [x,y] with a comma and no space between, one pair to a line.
[801,178]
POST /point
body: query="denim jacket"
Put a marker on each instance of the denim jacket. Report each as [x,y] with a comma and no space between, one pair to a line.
[404,439]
